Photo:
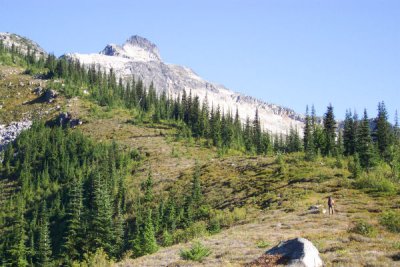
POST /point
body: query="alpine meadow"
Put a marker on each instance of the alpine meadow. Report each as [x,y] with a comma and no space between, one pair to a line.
[118,158]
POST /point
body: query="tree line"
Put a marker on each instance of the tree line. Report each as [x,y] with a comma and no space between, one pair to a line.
[220,128]
[366,140]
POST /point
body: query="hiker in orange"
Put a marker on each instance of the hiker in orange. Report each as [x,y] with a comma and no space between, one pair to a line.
[331,205]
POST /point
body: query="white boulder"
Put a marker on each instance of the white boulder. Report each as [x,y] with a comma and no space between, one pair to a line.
[297,252]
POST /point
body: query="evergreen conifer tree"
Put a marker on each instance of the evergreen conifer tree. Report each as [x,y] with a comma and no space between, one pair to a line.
[339,144]
[216,127]
[257,133]
[307,130]
[237,132]
[329,132]
[44,252]
[149,243]
[349,138]
[204,119]
[119,231]
[148,189]
[16,253]
[382,132]
[355,167]
[396,126]
[74,239]
[247,135]
[101,217]
[364,143]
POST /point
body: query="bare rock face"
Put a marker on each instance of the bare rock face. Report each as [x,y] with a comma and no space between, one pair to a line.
[298,252]
[9,133]
[49,95]
[135,48]
[140,58]
[38,91]
[66,119]
[21,43]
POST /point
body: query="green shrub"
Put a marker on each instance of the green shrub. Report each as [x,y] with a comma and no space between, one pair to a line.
[135,155]
[391,220]
[97,259]
[376,182]
[214,226]
[263,244]
[239,214]
[174,152]
[197,229]
[364,228]
[355,167]
[282,167]
[167,239]
[227,218]
[338,163]
[179,236]
[197,252]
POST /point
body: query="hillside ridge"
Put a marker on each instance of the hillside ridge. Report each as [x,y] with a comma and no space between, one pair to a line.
[140,58]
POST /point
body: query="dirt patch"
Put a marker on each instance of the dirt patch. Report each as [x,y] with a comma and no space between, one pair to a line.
[267,261]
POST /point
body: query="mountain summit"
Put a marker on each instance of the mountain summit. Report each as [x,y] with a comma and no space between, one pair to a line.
[140,58]
[136,48]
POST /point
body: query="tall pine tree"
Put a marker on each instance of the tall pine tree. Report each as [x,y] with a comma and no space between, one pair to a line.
[75,229]
[329,132]
[382,132]
[349,135]
[44,252]
[365,148]
[149,242]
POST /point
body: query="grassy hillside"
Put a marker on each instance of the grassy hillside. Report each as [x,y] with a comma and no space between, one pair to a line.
[277,209]
[17,99]
[272,192]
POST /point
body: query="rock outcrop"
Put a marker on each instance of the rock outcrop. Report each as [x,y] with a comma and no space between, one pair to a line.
[49,95]
[8,133]
[316,209]
[38,91]
[66,119]
[21,43]
[297,252]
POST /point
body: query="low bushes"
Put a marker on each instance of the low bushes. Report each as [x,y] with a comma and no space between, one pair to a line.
[197,252]
[364,228]
[197,229]
[225,218]
[376,182]
[391,220]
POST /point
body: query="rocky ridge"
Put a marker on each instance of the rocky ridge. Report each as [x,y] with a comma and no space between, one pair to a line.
[140,58]
[21,43]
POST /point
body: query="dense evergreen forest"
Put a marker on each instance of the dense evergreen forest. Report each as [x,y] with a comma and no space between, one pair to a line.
[69,196]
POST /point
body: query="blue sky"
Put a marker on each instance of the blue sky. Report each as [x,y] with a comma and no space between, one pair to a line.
[290,53]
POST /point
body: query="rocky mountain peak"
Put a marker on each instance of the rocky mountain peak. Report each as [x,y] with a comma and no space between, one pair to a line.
[140,58]
[136,48]
[142,42]
[112,50]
